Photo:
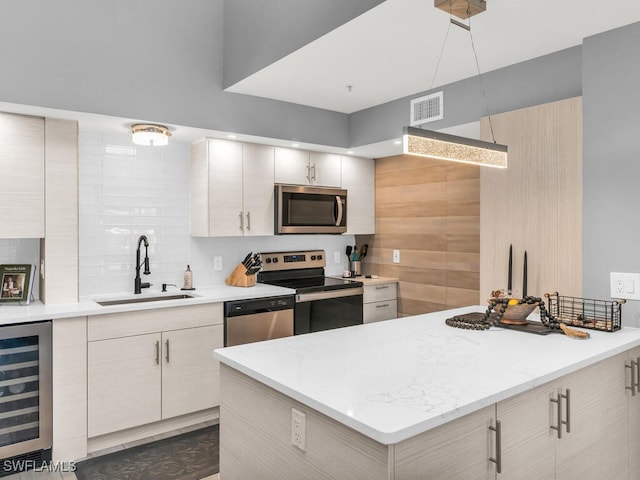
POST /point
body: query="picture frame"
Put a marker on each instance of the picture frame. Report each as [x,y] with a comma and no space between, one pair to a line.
[16,283]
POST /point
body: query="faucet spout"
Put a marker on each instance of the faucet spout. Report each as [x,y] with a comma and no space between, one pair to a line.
[138,285]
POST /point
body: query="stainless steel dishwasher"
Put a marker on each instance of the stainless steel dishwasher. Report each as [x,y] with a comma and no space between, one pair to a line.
[257,319]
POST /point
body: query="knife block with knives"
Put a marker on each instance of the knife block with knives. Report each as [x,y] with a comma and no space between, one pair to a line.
[239,277]
[244,275]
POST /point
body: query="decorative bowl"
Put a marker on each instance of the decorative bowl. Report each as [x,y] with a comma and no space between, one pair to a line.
[515,314]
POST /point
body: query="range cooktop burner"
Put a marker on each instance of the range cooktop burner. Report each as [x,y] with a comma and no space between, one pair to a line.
[302,271]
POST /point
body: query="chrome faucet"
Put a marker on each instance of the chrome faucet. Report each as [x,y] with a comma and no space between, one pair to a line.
[138,284]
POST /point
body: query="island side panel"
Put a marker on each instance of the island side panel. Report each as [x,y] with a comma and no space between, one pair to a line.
[255,438]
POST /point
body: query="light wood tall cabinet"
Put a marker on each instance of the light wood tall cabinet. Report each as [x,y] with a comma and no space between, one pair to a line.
[358,178]
[151,365]
[231,188]
[22,177]
[300,167]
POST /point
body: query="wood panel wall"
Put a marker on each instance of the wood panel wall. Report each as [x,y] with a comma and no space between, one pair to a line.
[536,203]
[430,211]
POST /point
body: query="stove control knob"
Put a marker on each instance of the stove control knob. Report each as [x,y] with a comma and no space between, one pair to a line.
[268,260]
[313,257]
[319,257]
[275,259]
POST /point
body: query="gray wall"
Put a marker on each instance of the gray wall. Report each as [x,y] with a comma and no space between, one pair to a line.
[156,60]
[257,33]
[611,126]
[541,80]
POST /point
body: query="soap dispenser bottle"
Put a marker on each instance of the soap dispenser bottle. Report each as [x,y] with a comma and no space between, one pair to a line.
[188,279]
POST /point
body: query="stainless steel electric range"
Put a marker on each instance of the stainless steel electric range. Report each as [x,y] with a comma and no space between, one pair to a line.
[321,302]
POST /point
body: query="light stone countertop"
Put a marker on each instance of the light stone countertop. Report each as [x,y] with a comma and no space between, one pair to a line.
[392,380]
[36,311]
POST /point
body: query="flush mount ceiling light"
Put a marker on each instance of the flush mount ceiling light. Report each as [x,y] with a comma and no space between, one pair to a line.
[150,134]
[442,146]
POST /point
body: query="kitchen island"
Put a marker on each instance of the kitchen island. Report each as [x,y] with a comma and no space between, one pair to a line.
[414,398]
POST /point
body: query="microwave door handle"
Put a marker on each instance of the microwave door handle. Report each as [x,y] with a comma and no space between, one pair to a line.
[339,209]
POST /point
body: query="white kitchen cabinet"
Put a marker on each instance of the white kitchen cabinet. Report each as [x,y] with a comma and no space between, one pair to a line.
[151,365]
[231,188]
[380,301]
[22,176]
[358,178]
[299,167]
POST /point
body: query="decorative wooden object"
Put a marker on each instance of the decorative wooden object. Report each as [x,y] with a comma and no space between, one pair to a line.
[461,8]
[239,277]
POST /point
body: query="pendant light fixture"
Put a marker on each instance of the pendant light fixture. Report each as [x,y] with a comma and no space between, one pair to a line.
[150,134]
[442,146]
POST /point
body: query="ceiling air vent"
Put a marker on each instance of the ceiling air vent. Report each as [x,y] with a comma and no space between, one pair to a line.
[427,109]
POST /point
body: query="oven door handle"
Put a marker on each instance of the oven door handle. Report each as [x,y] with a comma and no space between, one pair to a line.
[328,294]
[338,211]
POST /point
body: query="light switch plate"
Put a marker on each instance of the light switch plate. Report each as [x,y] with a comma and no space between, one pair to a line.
[396,256]
[336,257]
[625,285]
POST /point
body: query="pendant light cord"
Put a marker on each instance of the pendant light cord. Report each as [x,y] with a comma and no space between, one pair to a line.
[440,57]
[484,94]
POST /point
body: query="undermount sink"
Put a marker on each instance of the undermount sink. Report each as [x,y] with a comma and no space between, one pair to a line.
[125,301]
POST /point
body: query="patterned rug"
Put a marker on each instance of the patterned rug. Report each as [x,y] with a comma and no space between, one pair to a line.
[189,456]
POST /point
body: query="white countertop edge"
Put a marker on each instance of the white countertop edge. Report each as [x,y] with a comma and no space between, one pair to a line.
[87,306]
[396,436]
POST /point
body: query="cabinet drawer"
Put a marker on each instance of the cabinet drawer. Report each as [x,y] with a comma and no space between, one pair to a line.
[382,291]
[141,322]
[385,310]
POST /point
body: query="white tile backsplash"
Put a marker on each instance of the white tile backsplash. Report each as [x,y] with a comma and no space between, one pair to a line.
[126,191]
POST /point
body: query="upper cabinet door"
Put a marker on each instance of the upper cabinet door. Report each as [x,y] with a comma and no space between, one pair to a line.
[324,169]
[358,178]
[226,216]
[291,166]
[22,176]
[258,175]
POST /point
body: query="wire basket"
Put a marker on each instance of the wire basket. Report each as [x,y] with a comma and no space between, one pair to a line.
[605,315]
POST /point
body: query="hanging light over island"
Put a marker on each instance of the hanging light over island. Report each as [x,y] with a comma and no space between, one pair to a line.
[444,146]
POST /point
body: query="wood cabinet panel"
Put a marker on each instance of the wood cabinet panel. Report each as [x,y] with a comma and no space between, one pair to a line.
[123,383]
[536,203]
[22,178]
[190,374]
[291,166]
[456,450]
[358,178]
[258,189]
[226,216]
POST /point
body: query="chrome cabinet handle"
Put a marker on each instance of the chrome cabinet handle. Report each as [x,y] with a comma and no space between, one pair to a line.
[241,221]
[637,374]
[167,345]
[308,173]
[498,458]
[382,287]
[384,305]
[248,220]
[558,428]
[631,366]
[314,172]
[567,422]
[158,352]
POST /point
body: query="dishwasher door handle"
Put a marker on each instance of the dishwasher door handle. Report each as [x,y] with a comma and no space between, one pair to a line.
[328,294]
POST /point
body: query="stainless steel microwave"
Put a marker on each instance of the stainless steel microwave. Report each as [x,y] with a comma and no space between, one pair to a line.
[303,209]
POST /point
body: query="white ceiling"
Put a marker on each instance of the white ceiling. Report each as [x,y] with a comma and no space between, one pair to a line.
[392,50]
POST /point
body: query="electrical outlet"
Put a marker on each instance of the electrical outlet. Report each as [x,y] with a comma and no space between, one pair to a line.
[625,285]
[337,257]
[217,264]
[396,256]
[298,429]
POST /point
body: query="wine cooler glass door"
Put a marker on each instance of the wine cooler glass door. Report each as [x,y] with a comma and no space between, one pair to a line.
[25,388]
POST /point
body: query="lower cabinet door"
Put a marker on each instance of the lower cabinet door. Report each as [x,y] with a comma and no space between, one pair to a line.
[528,442]
[456,450]
[124,377]
[190,374]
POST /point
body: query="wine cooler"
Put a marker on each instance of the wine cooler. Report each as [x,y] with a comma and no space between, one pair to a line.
[25,396]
